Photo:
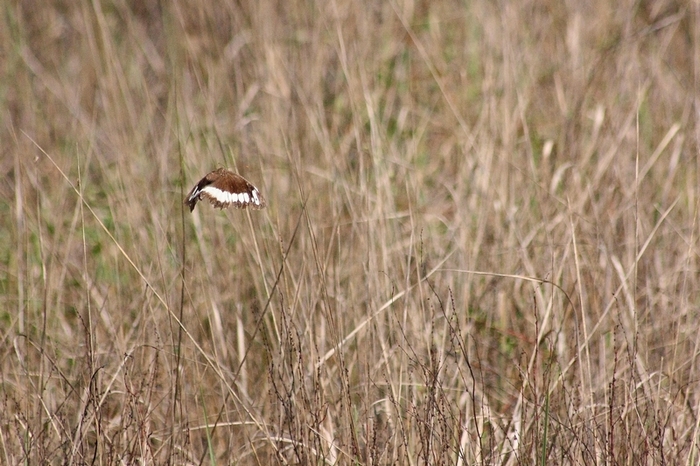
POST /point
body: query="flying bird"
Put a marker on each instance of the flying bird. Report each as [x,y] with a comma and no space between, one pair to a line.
[224,188]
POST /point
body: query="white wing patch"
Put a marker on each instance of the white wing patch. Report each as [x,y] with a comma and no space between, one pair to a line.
[225,197]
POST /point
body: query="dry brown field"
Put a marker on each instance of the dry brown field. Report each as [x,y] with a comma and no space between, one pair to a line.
[481,244]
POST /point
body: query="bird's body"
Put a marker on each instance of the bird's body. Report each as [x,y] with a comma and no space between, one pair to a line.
[224,188]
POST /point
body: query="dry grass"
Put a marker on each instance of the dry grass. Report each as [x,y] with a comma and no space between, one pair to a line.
[480,247]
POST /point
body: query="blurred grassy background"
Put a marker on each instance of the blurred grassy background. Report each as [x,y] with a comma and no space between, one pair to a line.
[480,247]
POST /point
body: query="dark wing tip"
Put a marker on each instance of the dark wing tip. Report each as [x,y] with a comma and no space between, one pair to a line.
[192,198]
[262,202]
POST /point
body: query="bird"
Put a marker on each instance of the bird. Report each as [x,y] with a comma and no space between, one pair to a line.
[224,188]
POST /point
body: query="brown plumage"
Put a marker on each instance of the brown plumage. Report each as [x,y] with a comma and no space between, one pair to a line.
[224,188]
